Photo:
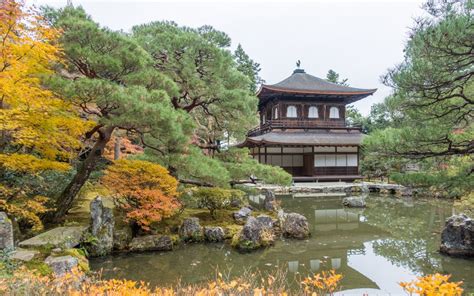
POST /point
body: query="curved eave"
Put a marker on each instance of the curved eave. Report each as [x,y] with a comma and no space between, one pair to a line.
[367,92]
[305,138]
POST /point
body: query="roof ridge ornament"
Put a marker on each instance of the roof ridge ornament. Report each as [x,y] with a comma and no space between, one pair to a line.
[298,68]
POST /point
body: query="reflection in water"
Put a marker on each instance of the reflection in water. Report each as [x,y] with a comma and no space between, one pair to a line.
[389,241]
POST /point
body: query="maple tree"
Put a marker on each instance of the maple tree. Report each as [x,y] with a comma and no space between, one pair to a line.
[33,120]
[145,190]
[39,131]
[121,147]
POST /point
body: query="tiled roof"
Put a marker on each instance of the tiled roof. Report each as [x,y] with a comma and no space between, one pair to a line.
[300,82]
[307,138]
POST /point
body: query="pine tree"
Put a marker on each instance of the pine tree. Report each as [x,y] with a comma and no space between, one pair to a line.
[106,76]
[248,67]
[333,76]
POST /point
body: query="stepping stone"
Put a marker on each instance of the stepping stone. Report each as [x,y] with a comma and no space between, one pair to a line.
[62,237]
[24,255]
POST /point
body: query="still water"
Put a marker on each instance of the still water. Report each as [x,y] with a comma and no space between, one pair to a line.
[392,240]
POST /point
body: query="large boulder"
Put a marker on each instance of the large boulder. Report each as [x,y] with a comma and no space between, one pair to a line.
[354,202]
[62,265]
[270,203]
[6,233]
[151,243]
[214,233]
[253,235]
[241,215]
[457,238]
[266,221]
[295,225]
[190,230]
[102,228]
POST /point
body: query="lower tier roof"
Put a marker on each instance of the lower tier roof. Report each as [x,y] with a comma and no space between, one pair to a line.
[316,138]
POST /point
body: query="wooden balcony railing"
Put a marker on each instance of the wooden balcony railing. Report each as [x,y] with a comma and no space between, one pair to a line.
[270,125]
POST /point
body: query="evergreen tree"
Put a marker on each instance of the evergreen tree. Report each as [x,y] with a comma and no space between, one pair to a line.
[247,66]
[101,77]
[333,76]
[430,114]
[210,87]
[434,85]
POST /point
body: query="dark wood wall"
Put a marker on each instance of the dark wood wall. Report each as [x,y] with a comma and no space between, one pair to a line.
[308,168]
[302,108]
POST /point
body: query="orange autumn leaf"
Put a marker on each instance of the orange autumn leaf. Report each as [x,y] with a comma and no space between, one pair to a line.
[145,190]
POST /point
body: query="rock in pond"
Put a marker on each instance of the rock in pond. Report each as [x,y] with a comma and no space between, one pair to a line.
[354,202]
[266,221]
[62,265]
[253,235]
[295,225]
[214,233]
[404,191]
[270,203]
[191,230]
[242,214]
[122,237]
[64,237]
[102,228]
[151,243]
[457,238]
[6,233]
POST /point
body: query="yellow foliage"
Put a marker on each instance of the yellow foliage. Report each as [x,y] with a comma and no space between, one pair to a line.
[433,285]
[27,163]
[32,117]
[322,283]
[25,209]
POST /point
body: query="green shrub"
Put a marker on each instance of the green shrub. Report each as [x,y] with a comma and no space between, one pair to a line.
[215,198]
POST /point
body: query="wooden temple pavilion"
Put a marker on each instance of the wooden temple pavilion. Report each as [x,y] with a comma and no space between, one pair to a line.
[303,128]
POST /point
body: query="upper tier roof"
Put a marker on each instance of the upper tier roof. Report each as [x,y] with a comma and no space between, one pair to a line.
[301,83]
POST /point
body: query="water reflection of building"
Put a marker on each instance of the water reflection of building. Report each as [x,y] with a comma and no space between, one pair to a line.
[345,230]
[336,219]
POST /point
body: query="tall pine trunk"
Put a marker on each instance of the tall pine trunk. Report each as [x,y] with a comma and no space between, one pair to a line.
[66,199]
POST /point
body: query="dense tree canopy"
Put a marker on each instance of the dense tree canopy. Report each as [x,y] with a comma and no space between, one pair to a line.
[40,133]
[34,121]
[102,76]
[211,86]
[430,114]
[434,86]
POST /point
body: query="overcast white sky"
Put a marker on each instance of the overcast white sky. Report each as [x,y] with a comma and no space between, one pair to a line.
[358,39]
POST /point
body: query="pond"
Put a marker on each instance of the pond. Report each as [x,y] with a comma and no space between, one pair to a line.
[392,240]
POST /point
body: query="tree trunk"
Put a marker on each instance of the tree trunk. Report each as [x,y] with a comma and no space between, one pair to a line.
[117,148]
[194,182]
[65,200]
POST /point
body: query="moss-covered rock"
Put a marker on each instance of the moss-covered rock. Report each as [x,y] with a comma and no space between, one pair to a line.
[151,243]
[83,263]
[191,230]
[253,235]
